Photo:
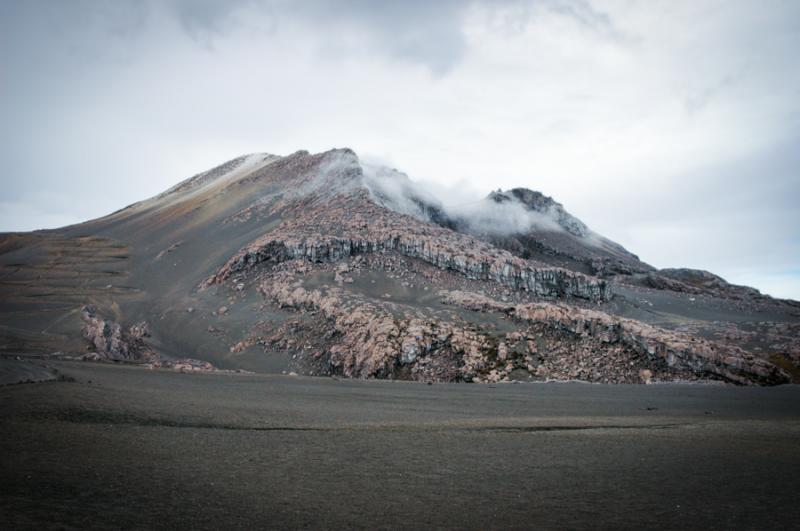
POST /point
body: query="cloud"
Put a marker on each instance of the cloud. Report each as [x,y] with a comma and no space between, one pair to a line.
[417,31]
[202,19]
[496,214]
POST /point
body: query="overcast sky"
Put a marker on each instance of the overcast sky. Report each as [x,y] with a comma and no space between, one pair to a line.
[671,127]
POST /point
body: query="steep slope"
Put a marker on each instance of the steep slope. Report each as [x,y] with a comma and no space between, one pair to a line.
[321,264]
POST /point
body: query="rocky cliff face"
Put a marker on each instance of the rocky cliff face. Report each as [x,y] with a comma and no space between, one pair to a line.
[351,224]
[697,355]
[366,337]
[359,337]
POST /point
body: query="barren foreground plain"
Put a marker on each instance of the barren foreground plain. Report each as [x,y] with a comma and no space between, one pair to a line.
[110,446]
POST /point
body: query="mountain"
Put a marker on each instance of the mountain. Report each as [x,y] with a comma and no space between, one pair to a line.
[324,265]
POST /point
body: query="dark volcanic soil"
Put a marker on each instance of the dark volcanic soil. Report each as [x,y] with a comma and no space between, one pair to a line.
[124,447]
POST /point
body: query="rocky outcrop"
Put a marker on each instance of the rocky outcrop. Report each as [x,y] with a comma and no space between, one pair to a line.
[546,282]
[353,225]
[368,338]
[677,350]
[372,343]
[111,342]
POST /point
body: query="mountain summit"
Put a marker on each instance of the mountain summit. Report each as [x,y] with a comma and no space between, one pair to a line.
[321,264]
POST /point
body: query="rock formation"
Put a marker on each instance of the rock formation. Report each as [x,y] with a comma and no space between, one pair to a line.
[351,224]
[110,342]
[695,354]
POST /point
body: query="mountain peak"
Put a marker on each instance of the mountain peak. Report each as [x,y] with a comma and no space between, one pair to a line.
[543,204]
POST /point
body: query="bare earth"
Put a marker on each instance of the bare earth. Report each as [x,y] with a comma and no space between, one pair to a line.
[125,447]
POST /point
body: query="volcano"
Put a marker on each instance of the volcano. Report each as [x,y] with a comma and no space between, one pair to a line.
[320,264]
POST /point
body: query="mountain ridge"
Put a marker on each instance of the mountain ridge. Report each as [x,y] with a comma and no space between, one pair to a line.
[323,264]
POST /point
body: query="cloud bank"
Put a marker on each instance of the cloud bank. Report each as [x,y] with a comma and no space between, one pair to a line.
[445,204]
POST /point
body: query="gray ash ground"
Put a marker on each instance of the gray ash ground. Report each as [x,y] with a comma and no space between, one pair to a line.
[123,447]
